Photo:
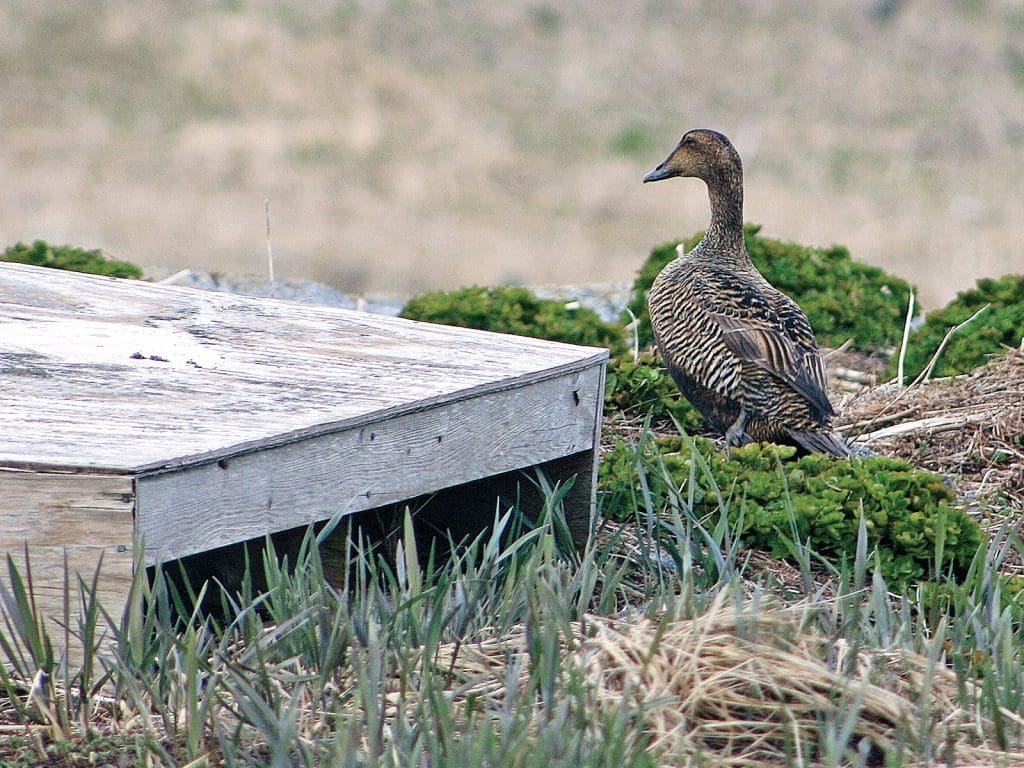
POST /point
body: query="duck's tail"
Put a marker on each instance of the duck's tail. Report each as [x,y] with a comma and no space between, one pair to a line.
[828,443]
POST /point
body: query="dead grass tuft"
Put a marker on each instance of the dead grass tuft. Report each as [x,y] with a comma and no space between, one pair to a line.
[746,685]
[967,428]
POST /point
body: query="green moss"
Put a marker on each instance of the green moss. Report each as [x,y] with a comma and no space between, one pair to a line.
[1002,323]
[42,254]
[772,498]
[843,298]
[517,311]
[638,388]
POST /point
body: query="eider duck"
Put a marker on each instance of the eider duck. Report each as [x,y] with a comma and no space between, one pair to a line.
[740,350]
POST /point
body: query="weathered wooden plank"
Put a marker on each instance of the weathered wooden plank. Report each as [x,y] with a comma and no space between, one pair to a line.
[84,517]
[581,503]
[113,375]
[378,463]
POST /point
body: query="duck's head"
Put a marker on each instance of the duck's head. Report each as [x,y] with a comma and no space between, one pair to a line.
[700,154]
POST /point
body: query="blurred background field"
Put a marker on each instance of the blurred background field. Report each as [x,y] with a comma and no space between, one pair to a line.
[414,145]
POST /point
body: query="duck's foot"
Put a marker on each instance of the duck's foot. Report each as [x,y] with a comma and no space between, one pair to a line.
[735,434]
[861,451]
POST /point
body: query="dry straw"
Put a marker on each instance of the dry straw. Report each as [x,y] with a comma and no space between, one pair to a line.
[747,685]
[967,427]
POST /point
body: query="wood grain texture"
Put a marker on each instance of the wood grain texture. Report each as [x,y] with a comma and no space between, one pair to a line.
[581,503]
[377,463]
[122,376]
[84,517]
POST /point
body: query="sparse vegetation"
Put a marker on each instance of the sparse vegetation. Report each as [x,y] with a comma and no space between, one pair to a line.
[634,140]
[495,157]
[546,18]
[42,254]
[1001,324]
[844,299]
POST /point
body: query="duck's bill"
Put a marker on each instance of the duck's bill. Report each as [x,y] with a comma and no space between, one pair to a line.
[657,174]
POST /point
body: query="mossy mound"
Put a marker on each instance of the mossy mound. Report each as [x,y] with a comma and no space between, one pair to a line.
[641,388]
[517,311]
[42,254]
[843,298]
[773,499]
[1001,324]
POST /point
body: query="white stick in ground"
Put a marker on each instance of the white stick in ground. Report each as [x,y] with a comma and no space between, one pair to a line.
[270,249]
[906,335]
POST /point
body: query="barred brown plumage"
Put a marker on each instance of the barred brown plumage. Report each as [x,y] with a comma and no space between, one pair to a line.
[740,350]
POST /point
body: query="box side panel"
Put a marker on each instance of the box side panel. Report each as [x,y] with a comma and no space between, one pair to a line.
[581,502]
[382,462]
[87,519]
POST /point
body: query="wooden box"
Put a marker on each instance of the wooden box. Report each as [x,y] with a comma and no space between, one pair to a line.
[190,420]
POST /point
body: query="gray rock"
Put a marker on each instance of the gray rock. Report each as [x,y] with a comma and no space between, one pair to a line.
[607,299]
[305,291]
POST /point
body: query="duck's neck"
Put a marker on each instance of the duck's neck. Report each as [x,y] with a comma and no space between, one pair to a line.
[724,237]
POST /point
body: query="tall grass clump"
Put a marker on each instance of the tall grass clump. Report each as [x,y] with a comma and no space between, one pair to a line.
[366,671]
[646,647]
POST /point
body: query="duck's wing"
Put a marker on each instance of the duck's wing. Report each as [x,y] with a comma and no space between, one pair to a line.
[754,331]
[798,328]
